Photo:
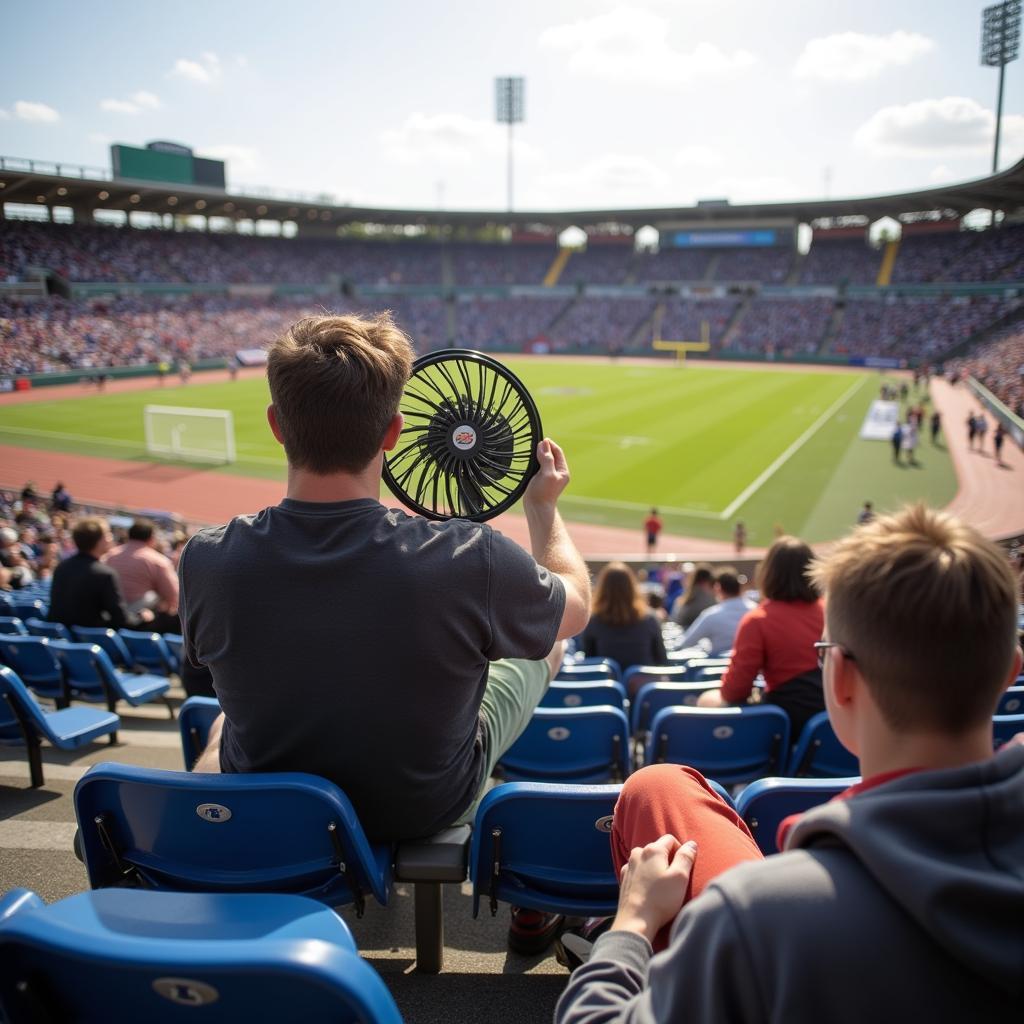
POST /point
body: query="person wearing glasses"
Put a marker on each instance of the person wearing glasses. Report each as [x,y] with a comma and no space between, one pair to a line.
[902,898]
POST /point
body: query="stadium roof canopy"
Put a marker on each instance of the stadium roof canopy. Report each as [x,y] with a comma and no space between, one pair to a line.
[37,182]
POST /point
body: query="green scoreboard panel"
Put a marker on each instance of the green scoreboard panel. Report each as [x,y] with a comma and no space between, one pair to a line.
[166,167]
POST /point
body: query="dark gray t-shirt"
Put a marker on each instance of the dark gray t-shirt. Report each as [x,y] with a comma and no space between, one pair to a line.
[352,641]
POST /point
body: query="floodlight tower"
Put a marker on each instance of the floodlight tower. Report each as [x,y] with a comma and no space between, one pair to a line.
[509,109]
[1000,44]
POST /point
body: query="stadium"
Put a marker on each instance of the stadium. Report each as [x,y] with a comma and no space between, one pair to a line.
[738,372]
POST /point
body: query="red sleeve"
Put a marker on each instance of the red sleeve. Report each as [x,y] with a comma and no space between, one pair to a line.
[747,660]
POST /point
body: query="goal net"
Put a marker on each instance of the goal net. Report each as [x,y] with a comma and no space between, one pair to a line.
[191,435]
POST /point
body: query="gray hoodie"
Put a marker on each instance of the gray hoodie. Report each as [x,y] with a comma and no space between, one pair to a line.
[902,903]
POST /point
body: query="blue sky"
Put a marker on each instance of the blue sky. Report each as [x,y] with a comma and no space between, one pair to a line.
[644,103]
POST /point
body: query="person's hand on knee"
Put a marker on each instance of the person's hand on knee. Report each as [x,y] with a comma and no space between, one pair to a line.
[653,886]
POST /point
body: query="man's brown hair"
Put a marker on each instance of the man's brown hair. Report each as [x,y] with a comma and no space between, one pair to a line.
[335,382]
[87,533]
[782,576]
[927,609]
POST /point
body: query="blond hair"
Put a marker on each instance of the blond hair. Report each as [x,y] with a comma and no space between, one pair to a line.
[336,382]
[927,609]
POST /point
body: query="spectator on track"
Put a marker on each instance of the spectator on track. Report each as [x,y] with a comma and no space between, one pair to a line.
[147,575]
[698,595]
[652,527]
[716,627]
[920,861]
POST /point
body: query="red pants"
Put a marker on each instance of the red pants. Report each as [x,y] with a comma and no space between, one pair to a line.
[671,799]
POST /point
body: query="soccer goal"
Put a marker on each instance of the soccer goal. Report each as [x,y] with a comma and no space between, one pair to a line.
[191,435]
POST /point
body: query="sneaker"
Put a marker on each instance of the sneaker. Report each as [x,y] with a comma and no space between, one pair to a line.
[532,931]
[574,946]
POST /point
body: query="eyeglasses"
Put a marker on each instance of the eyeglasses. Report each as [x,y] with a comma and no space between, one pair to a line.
[821,646]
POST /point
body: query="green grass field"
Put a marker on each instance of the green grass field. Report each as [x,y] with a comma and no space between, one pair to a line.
[708,446]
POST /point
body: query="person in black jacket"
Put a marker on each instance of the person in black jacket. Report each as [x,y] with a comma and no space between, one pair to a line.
[86,592]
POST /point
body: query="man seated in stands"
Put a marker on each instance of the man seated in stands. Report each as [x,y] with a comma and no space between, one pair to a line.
[716,626]
[85,592]
[914,874]
[146,575]
[397,657]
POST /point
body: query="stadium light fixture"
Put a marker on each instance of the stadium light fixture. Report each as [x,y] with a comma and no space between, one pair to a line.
[1000,44]
[509,95]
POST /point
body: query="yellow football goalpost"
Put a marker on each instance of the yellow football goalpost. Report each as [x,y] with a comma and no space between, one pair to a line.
[680,347]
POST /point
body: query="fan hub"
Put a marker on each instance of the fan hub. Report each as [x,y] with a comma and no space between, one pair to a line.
[464,440]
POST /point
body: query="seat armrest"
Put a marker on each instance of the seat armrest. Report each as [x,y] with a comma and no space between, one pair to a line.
[439,858]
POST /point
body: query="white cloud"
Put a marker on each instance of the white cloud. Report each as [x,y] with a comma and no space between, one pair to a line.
[449,138]
[696,155]
[25,110]
[941,174]
[951,126]
[4,116]
[752,188]
[138,102]
[241,160]
[611,178]
[854,57]
[205,70]
[99,138]
[631,44]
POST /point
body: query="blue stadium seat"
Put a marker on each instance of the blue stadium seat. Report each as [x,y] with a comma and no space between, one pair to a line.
[592,671]
[764,803]
[819,754]
[636,677]
[90,675]
[149,652]
[24,723]
[1010,703]
[583,695]
[11,625]
[545,847]
[99,957]
[36,664]
[194,720]
[730,745]
[51,630]
[655,696]
[28,608]
[176,645]
[268,832]
[1005,727]
[108,640]
[587,744]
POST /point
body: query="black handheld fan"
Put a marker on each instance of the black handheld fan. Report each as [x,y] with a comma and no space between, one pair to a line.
[469,445]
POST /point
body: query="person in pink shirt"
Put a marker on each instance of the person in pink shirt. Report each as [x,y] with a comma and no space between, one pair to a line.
[143,572]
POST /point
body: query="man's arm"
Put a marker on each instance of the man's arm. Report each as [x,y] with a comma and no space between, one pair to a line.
[550,542]
[111,601]
[165,583]
[697,630]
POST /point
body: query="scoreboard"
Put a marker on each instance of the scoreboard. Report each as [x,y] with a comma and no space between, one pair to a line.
[166,163]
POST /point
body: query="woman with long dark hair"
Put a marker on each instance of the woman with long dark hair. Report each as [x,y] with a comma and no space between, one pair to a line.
[621,624]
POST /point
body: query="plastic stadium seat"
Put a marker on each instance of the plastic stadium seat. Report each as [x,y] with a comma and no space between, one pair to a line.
[194,720]
[108,640]
[90,675]
[11,625]
[267,832]
[24,723]
[655,696]
[1011,702]
[36,664]
[99,957]
[1005,727]
[583,672]
[176,645]
[583,695]
[545,847]
[819,754]
[51,630]
[730,745]
[148,651]
[636,677]
[764,803]
[586,744]
[26,608]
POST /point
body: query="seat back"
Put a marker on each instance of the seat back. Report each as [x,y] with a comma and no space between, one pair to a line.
[52,630]
[28,608]
[545,847]
[819,754]
[592,672]
[586,744]
[196,716]
[144,956]
[655,696]
[176,645]
[583,695]
[18,708]
[636,677]
[32,657]
[765,803]
[106,639]
[1005,727]
[11,625]
[274,832]
[149,651]
[87,668]
[1011,702]
[730,745]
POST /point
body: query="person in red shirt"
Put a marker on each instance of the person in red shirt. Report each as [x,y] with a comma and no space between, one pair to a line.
[652,527]
[776,639]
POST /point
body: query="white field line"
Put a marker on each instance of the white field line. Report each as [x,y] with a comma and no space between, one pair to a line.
[752,488]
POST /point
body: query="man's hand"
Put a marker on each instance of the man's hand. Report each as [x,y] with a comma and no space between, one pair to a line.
[146,615]
[551,479]
[653,886]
